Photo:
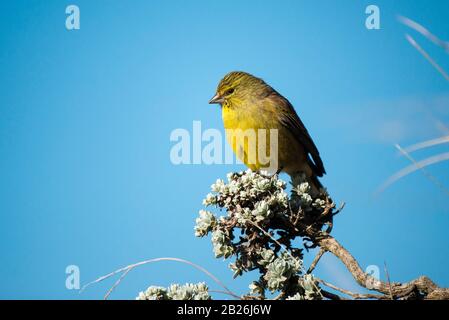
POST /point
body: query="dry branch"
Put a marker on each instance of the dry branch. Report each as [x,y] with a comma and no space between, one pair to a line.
[421,288]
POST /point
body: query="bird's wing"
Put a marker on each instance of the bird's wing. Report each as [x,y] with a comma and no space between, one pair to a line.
[290,119]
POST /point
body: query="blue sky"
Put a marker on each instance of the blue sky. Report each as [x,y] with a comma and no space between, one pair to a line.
[86,117]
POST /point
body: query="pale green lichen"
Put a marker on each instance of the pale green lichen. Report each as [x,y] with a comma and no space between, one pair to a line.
[222,244]
[204,223]
[280,270]
[189,291]
[259,217]
[266,256]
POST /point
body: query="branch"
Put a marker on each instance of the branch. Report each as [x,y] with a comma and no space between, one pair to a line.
[352,294]
[316,260]
[331,296]
[422,287]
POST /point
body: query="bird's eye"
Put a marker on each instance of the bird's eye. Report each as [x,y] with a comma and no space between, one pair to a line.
[230,91]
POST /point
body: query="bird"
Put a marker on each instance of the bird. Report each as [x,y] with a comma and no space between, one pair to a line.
[249,103]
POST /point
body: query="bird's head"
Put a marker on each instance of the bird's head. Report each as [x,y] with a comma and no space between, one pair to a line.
[238,87]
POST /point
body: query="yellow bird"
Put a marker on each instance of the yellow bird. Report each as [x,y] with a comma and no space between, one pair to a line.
[261,124]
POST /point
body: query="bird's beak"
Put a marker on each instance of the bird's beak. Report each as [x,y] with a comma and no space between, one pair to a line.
[217,99]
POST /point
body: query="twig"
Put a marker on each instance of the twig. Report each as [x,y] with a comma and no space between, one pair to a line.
[342,206]
[222,292]
[427,174]
[412,168]
[427,56]
[316,260]
[279,296]
[128,268]
[272,238]
[351,294]
[426,33]
[122,276]
[331,296]
[388,280]
[427,144]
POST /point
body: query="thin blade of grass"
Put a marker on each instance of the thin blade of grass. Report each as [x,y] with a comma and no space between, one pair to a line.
[127,269]
[427,56]
[426,144]
[424,31]
[412,168]
[427,174]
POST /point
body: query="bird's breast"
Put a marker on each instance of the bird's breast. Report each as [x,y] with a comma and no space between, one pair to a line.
[248,117]
[243,133]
